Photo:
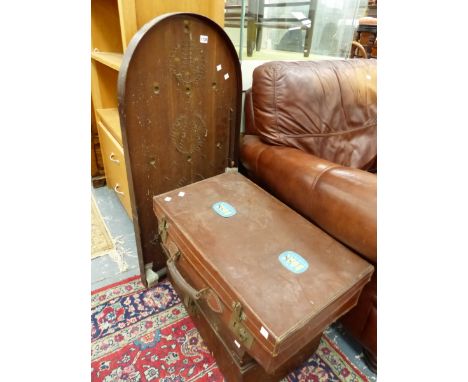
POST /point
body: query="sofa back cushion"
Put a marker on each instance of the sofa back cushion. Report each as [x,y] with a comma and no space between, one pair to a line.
[325,108]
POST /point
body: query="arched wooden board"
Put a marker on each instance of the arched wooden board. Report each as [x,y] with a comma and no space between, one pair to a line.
[179,93]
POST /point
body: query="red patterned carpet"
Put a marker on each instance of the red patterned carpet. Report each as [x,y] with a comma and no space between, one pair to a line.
[146,335]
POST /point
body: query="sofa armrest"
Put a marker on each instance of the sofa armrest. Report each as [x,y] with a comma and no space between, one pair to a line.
[340,200]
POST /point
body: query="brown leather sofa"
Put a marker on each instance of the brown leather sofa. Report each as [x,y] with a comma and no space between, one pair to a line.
[311,140]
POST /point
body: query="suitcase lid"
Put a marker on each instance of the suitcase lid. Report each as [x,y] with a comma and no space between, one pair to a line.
[179,93]
[282,269]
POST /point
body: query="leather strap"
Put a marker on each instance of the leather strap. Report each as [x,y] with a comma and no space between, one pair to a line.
[182,283]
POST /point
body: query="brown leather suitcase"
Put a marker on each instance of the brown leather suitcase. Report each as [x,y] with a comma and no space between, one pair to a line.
[234,362]
[266,278]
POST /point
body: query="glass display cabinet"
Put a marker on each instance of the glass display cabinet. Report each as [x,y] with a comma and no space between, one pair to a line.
[291,29]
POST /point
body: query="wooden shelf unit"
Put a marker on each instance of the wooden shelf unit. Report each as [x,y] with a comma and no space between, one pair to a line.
[113,24]
[112,60]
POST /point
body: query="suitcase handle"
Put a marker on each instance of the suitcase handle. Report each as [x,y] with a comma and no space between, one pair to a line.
[182,283]
[173,253]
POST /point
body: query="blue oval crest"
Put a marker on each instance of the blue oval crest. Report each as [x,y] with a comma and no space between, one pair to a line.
[224,209]
[293,262]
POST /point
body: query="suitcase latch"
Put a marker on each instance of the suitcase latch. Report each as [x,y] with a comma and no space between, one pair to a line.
[236,324]
[162,229]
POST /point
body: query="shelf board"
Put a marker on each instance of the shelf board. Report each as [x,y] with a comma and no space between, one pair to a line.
[110,119]
[110,59]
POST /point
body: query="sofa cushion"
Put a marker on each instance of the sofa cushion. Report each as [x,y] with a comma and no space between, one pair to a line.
[325,108]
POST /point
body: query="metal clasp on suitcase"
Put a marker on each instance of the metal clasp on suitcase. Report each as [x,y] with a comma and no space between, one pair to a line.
[237,326]
[162,229]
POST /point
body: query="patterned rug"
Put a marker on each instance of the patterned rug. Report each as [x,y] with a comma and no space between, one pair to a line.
[146,335]
[101,242]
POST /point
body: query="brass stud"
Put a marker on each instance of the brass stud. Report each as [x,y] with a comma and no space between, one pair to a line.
[156,88]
